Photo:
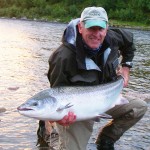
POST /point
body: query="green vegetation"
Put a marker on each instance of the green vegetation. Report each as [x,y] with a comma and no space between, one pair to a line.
[124,11]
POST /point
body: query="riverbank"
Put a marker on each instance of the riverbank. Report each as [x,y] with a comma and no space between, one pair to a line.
[64,11]
[112,23]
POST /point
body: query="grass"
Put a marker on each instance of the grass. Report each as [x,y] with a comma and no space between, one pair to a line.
[125,24]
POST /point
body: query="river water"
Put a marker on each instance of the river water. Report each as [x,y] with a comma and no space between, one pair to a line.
[25,47]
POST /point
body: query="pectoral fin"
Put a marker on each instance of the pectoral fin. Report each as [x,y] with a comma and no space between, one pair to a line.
[104,115]
[64,107]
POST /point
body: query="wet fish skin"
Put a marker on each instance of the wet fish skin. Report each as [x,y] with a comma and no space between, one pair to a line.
[86,102]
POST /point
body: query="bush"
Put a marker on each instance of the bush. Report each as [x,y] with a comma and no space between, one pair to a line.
[73,11]
[58,11]
[48,10]
[135,10]
[125,14]
[13,11]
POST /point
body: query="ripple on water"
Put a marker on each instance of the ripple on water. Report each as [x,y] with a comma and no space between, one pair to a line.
[24,57]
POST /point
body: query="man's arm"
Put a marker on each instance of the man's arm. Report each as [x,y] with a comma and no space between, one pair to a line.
[57,75]
[127,49]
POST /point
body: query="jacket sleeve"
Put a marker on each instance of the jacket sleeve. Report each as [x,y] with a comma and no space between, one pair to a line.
[56,75]
[60,65]
[126,45]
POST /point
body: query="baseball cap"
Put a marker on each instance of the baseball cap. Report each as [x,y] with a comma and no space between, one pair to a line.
[94,16]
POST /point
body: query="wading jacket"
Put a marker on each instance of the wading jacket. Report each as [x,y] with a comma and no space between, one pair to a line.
[70,65]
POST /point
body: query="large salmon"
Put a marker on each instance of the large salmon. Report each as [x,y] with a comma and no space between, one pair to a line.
[86,102]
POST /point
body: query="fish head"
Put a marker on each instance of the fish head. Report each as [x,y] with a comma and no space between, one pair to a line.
[39,106]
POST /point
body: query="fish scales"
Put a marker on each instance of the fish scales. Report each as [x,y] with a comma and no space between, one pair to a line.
[86,102]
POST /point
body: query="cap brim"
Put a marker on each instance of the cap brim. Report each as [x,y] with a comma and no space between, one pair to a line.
[91,23]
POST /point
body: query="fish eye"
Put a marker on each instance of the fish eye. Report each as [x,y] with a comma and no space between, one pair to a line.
[35,104]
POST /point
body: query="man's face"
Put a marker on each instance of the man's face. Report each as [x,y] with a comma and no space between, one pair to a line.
[93,36]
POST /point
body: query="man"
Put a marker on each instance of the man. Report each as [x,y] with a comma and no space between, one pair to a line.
[89,55]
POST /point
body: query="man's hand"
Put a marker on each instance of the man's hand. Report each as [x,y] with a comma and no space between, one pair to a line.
[68,119]
[125,72]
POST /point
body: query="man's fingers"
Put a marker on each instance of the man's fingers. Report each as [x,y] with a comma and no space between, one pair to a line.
[68,119]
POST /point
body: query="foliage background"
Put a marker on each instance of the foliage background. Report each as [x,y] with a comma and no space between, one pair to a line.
[65,10]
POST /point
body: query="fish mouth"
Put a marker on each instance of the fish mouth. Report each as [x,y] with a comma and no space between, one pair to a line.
[23,109]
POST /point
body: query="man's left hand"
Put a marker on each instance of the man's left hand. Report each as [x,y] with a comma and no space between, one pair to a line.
[125,72]
[68,119]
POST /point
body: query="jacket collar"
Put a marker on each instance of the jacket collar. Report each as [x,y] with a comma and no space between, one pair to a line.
[72,37]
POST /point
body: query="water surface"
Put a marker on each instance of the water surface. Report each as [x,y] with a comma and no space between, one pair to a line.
[25,47]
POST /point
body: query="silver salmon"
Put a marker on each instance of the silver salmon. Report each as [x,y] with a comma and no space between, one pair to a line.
[86,102]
